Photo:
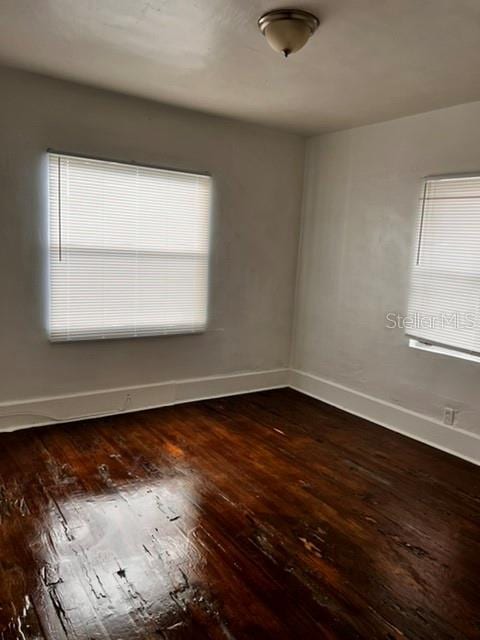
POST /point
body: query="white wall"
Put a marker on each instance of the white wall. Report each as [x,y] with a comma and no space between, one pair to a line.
[258,176]
[360,206]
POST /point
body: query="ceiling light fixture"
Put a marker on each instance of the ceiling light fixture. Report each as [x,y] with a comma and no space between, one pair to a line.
[287,30]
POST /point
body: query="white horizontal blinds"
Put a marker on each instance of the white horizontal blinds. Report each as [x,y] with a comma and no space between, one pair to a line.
[128,249]
[444,298]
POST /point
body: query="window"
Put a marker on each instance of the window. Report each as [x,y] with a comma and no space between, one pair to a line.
[444,302]
[128,251]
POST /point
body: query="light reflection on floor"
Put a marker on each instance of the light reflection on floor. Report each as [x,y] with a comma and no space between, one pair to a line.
[126,553]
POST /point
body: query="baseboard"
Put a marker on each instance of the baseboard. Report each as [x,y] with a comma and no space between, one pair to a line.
[82,406]
[458,442]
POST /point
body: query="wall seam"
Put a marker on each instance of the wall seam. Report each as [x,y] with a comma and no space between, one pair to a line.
[298,270]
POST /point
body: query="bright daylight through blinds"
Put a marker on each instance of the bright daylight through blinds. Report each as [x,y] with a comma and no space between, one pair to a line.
[128,251]
[445,285]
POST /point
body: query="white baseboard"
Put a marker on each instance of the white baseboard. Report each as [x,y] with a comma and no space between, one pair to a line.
[81,406]
[458,442]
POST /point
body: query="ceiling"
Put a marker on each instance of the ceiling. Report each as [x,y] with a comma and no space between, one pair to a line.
[370,60]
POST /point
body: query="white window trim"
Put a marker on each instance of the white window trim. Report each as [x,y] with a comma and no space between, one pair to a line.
[444,351]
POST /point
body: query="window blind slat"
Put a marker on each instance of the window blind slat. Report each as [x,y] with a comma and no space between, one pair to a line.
[128,251]
[444,297]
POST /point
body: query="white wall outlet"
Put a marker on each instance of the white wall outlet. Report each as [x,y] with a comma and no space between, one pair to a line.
[448,416]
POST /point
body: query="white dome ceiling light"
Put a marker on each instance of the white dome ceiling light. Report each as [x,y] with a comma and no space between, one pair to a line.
[288,30]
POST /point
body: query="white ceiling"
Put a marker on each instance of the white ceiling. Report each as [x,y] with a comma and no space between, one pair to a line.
[370,60]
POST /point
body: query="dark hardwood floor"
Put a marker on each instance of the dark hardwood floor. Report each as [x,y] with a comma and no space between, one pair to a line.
[268,515]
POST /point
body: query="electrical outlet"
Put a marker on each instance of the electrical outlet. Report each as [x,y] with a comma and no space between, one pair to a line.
[448,416]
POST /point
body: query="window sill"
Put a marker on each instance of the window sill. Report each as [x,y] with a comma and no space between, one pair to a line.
[444,351]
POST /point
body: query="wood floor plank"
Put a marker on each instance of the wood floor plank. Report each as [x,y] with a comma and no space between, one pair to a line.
[267,515]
